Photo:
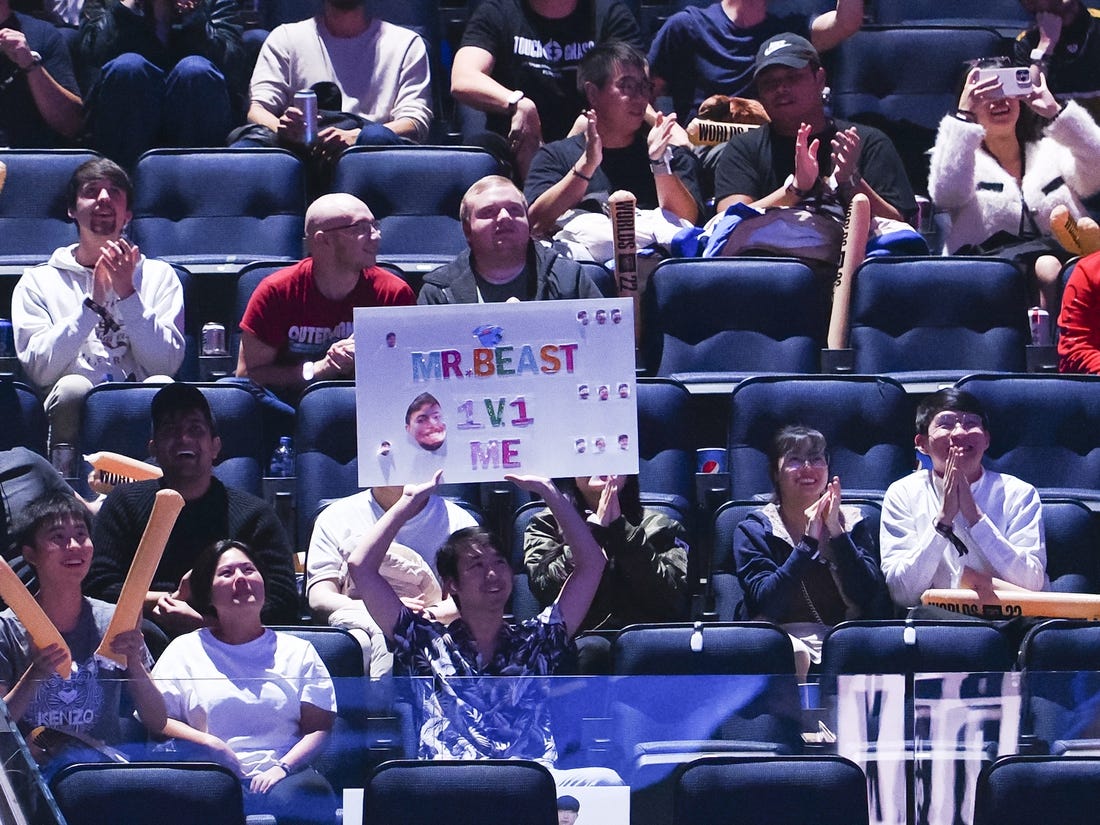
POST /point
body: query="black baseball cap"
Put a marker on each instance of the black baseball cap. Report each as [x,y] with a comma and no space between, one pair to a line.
[180,397]
[786,50]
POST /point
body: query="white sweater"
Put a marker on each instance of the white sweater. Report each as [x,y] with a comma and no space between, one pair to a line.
[382,74]
[56,334]
[982,198]
[1006,542]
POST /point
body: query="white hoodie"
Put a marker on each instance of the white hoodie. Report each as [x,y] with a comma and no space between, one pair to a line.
[56,334]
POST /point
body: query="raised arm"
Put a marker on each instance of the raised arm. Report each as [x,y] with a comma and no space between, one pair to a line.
[588,559]
[365,561]
[832,27]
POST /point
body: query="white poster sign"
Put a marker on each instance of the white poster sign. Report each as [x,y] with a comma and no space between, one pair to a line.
[485,390]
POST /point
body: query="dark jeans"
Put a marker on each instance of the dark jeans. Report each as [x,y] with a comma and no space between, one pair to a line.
[304,798]
[135,106]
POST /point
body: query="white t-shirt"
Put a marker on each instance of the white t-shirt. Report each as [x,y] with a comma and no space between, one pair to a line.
[248,695]
[342,524]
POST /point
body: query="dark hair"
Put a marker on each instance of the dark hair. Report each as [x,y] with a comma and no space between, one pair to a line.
[446,560]
[99,169]
[1029,125]
[178,397]
[48,510]
[630,497]
[202,571]
[949,398]
[599,62]
[787,440]
[569,803]
[423,400]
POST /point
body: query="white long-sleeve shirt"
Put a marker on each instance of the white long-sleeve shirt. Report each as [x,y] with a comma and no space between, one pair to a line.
[56,334]
[1007,542]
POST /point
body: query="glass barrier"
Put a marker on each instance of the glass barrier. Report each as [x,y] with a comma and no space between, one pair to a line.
[24,799]
[920,740]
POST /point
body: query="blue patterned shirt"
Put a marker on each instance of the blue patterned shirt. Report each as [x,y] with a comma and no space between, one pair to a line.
[467,711]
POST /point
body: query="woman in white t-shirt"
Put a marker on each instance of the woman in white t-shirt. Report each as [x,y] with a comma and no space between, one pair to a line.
[257,701]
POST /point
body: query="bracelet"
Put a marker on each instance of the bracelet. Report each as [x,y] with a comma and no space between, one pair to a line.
[108,322]
[800,193]
[965,116]
[948,532]
[850,185]
[286,768]
[585,178]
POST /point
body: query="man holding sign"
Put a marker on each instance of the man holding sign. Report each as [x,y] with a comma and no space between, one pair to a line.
[471,718]
[502,263]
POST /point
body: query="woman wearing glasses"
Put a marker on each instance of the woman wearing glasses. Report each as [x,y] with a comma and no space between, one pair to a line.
[805,561]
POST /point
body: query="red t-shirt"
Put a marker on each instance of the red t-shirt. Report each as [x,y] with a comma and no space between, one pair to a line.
[288,312]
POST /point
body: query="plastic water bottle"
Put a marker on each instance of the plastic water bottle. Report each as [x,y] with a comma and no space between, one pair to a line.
[282,460]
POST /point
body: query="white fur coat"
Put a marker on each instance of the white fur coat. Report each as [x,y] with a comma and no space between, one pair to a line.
[982,198]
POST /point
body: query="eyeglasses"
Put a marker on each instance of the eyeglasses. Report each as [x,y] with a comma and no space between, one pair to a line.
[949,421]
[796,462]
[358,227]
[632,87]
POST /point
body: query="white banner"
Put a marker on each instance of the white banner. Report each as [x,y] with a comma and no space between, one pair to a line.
[485,390]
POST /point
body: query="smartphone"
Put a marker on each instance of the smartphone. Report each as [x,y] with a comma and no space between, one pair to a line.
[1015,80]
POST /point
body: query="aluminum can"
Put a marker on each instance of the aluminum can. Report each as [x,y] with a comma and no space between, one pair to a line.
[213,339]
[306,101]
[61,457]
[1040,326]
[7,339]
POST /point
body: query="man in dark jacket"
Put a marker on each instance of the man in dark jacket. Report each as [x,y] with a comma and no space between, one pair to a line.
[502,263]
[161,73]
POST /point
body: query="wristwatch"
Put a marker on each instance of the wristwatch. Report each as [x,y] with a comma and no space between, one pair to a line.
[36,61]
[513,100]
[663,164]
[308,370]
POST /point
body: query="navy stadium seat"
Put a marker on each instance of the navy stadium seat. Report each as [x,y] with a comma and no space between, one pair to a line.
[219,209]
[936,319]
[415,192]
[867,422]
[724,319]
[1044,429]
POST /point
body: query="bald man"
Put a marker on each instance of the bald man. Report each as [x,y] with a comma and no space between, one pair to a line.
[298,325]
